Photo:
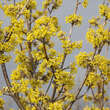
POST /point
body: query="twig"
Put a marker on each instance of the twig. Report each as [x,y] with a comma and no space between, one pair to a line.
[100,48]
[49,85]
[22,9]
[14,2]
[59,93]
[84,93]
[103,87]
[64,58]
[75,11]
[79,90]
[107,49]
[82,85]
[54,92]
[70,32]
[46,56]
[76,8]
[5,75]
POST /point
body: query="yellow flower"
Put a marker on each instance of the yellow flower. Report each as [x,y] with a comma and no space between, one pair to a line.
[1,103]
[4,58]
[74,19]
[94,21]
[0,93]
[85,3]
[55,106]
[104,10]
[82,59]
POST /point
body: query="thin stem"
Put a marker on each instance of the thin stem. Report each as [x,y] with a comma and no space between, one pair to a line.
[83,93]
[59,93]
[76,8]
[14,2]
[70,32]
[93,94]
[54,92]
[30,45]
[5,75]
[22,9]
[49,85]
[64,58]
[79,90]
[46,56]
[75,11]
[100,48]
[106,51]
[82,85]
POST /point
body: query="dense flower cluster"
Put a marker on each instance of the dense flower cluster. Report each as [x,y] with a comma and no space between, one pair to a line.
[98,36]
[104,10]
[74,19]
[55,3]
[42,80]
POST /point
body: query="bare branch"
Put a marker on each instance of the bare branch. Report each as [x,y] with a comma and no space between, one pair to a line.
[49,85]
[5,74]
[82,85]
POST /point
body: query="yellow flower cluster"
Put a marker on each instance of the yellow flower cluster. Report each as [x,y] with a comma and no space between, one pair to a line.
[104,10]
[69,46]
[56,3]
[85,3]
[98,36]
[92,79]
[42,67]
[7,40]
[87,98]
[82,59]
[103,64]
[4,58]
[38,55]
[46,3]
[16,75]
[64,77]
[61,34]
[21,86]
[26,13]
[20,56]
[1,103]
[69,96]
[94,108]
[55,106]
[73,67]
[18,25]
[44,27]
[94,21]
[31,5]
[99,62]
[11,10]
[74,19]
[37,14]
[15,87]
[55,61]
[33,95]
